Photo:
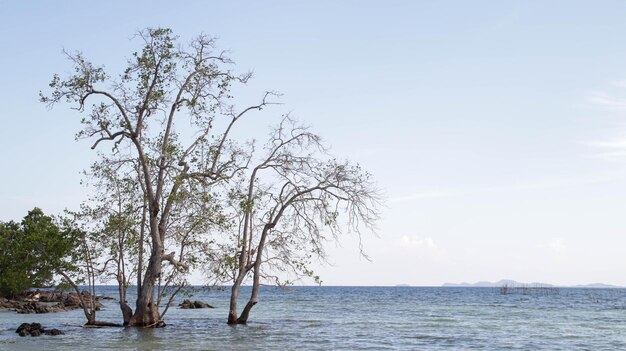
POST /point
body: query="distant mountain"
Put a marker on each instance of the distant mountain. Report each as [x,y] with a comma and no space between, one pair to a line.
[598,286]
[513,283]
[484,284]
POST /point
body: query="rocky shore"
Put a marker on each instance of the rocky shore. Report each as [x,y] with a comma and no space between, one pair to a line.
[46,301]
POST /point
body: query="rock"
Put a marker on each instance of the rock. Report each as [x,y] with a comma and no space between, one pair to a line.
[59,307]
[29,307]
[188,304]
[73,301]
[11,304]
[22,327]
[26,307]
[36,307]
[38,301]
[200,304]
[35,329]
[42,295]
[51,296]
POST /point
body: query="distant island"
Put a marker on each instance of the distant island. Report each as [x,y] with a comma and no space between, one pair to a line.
[503,282]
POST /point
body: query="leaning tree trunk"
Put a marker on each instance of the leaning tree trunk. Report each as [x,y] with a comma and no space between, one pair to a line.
[254,299]
[244,259]
[89,314]
[256,281]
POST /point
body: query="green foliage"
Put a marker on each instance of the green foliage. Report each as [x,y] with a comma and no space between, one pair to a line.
[246,206]
[32,251]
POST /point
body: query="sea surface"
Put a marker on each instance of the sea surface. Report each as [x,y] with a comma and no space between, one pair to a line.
[356,318]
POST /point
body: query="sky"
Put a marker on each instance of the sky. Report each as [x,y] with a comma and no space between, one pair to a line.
[495,129]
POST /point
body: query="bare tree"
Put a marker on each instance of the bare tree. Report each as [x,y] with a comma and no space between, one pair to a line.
[165,86]
[290,204]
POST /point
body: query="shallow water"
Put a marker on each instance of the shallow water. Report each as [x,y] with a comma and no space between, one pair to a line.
[357,318]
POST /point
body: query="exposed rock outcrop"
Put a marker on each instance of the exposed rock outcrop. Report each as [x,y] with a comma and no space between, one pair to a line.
[39,301]
[188,304]
[36,307]
[36,329]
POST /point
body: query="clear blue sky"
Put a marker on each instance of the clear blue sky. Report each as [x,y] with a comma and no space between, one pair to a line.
[497,129]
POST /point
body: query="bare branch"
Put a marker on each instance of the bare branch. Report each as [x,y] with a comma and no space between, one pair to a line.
[170,257]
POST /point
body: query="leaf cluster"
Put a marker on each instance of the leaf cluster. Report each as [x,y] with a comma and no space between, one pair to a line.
[32,251]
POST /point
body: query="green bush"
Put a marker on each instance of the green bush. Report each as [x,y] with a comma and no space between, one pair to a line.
[32,251]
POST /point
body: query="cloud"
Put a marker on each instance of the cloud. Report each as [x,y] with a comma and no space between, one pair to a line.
[415,242]
[424,195]
[607,101]
[613,150]
[620,83]
[615,144]
[541,184]
[420,248]
[557,246]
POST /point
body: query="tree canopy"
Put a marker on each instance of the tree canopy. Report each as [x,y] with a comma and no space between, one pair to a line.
[33,251]
[177,191]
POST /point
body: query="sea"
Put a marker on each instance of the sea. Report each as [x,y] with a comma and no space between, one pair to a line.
[355,318]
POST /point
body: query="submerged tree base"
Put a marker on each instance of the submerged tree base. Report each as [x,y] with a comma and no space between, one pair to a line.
[99,324]
[157,324]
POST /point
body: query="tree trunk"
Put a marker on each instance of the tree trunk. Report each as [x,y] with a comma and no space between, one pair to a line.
[243,318]
[127,312]
[244,258]
[146,311]
[234,295]
[256,280]
[142,232]
[254,296]
[89,314]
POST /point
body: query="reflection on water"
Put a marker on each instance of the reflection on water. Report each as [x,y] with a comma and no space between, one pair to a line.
[356,319]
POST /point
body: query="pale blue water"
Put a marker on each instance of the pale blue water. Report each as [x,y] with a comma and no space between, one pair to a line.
[358,318]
